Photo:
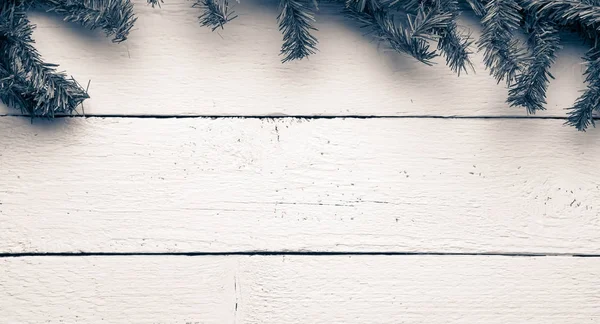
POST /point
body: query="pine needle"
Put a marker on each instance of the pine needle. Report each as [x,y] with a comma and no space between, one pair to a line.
[565,12]
[295,18]
[581,114]
[155,3]
[405,26]
[214,14]
[115,17]
[454,46]
[503,55]
[410,36]
[530,88]
[27,83]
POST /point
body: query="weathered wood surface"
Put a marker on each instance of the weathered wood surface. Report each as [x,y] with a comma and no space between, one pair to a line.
[117,290]
[421,185]
[417,185]
[172,66]
[300,289]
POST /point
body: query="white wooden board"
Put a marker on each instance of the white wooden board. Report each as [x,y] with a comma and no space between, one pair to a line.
[172,66]
[117,290]
[417,289]
[222,185]
[229,185]
[300,289]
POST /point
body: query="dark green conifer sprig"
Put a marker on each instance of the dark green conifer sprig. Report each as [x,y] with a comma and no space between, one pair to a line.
[405,26]
[564,12]
[456,48]
[295,22]
[33,86]
[452,44]
[115,17]
[502,52]
[155,3]
[526,72]
[27,83]
[529,90]
[477,6]
[581,114]
[365,5]
[388,32]
[214,14]
[427,21]
[411,35]
[9,91]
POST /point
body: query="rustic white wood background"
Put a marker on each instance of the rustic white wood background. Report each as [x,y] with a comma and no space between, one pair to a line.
[212,184]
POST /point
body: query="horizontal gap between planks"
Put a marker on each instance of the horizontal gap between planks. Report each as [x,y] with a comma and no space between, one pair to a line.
[300,117]
[282,253]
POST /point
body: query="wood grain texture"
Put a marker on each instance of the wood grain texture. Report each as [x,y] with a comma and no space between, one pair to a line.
[117,290]
[300,289]
[172,66]
[421,289]
[355,185]
[422,185]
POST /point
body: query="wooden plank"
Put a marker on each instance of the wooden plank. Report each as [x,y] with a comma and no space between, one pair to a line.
[172,66]
[421,185]
[420,289]
[117,290]
[300,289]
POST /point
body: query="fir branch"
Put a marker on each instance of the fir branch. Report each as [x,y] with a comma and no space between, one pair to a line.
[361,5]
[581,114]
[406,6]
[502,53]
[586,13]
[409,37]
[477,6]
[529,90]
[456,48]
[115,17]
[10,92]
[453,45]
[427,21]
[214,15]
[371,6]
[27,83]
[155,3]
[295,19]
